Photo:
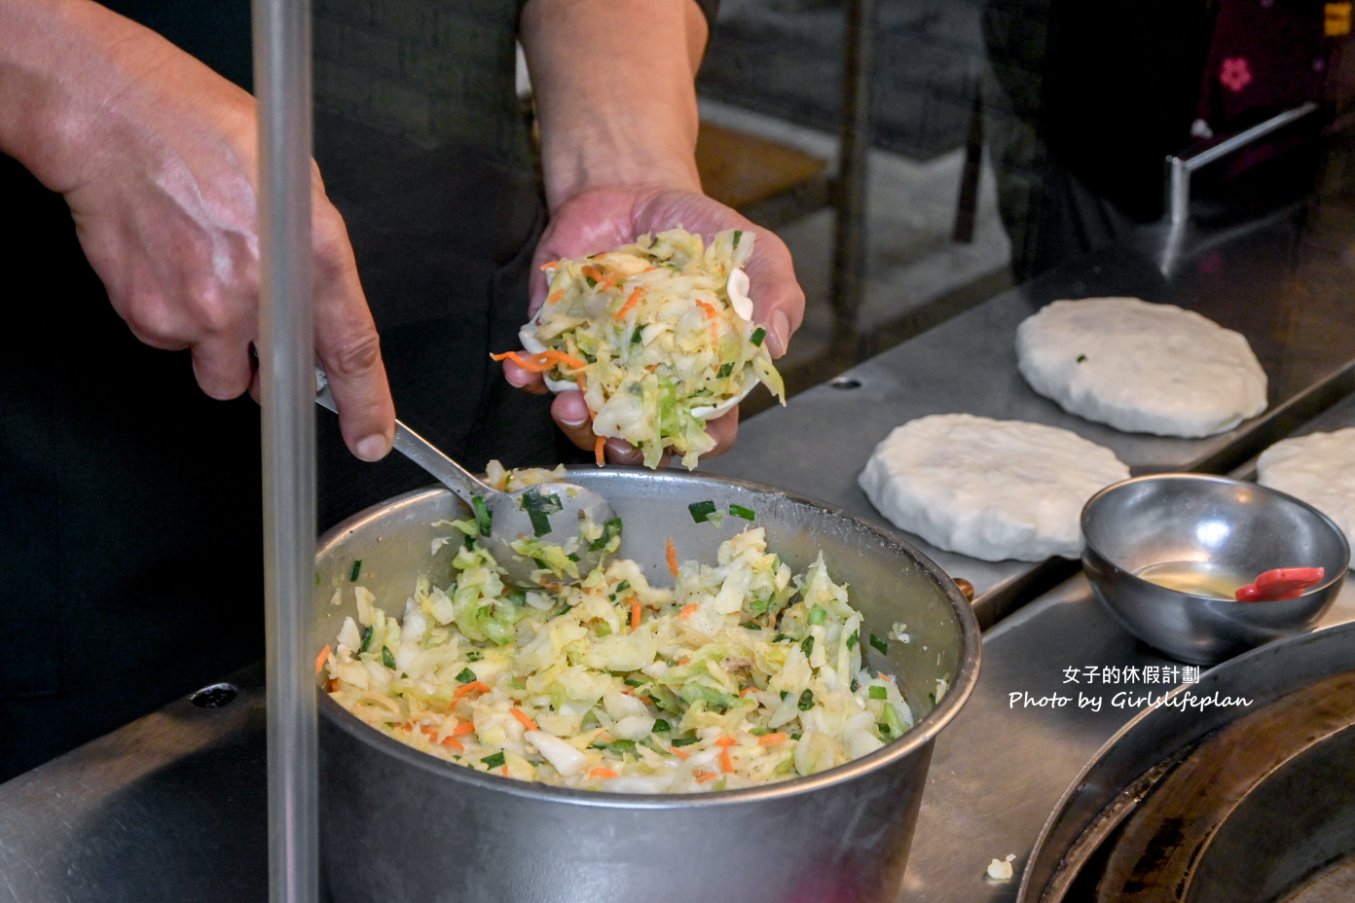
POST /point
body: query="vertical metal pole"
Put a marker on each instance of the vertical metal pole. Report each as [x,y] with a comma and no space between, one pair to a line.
[282,78]
[849,190]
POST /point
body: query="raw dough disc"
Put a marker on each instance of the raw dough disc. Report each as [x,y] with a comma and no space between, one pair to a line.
[1141,367]
[1318,468]
[990,489]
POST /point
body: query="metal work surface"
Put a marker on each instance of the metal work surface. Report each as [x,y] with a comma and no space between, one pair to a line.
[1280,284]
[172,807]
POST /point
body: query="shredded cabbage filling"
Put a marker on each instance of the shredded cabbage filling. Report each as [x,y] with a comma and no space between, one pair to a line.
[741,673]
[652,334]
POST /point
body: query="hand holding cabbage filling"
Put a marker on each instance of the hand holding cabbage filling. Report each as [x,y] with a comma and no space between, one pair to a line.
[656,335]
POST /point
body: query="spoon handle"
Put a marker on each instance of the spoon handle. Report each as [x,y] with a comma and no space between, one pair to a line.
[419,450]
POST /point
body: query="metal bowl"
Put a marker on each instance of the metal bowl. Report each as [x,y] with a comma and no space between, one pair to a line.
[1228,528]
[397,824]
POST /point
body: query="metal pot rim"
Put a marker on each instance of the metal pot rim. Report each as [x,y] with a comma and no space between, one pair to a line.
[921,735]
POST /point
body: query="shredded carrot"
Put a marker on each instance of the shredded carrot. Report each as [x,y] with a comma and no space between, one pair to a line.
[725,741]
[475,686]
[687,611]
[333,685]
[772,739]
[321,659]
[746,690]
[633,300]
[505,771]
[600,451]
[726,761]
[540,363]
[702,777]
[679,753]
[463,729]
[593,273]
[523,718]
[634,612]
[602,773]
[714,319]
[555,296]
[453,744]
[672,556]
[550,264]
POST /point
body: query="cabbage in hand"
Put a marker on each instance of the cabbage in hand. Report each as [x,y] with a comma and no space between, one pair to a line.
[656,334]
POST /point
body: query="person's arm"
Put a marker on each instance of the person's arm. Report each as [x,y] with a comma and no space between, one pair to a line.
[615,90]
[156,155]
[613,81]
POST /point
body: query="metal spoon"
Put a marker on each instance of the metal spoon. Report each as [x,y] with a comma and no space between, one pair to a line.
[553,512]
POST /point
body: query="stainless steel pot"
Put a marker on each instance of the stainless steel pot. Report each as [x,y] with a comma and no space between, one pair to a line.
[399,825]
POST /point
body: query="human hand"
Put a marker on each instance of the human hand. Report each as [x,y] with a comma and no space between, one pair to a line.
[156,155]
[602,219]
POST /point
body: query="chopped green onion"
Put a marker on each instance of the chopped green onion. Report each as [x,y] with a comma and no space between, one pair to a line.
[637,336]
[387,657]
[883,728]
[494,761]
[539,506]
[610,530]
[853,639]
[808,645]
[357,569]
[879,644]
[632,682]
[758,335]
[620,747]
[466,676]
[817,614]
[474,655]
[686,739]
[740,511]
[738,234]
[878,692]
[725,369]
[661,726]
[806,701]
[623,586]
[484,518]
[701,511]
[366,640]
[1082,358]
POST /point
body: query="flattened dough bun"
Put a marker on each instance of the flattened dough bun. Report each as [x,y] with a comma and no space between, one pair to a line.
[989,489]
[1318,468]
[1141,367]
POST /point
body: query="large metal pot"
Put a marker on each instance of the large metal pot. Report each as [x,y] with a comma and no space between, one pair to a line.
[397,824]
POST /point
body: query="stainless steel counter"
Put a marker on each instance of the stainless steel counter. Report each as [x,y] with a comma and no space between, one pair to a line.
[172,807]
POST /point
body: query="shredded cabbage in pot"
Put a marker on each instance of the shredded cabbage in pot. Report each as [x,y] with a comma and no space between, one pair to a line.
[651,334]
[741,674]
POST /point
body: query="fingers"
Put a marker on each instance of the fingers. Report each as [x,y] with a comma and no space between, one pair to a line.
[347,344]
[570,413]
[723,430]
[223,367]
[778,299]
[525,380]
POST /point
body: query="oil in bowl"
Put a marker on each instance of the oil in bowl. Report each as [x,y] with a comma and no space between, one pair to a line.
[1167,553]
[1197,578]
